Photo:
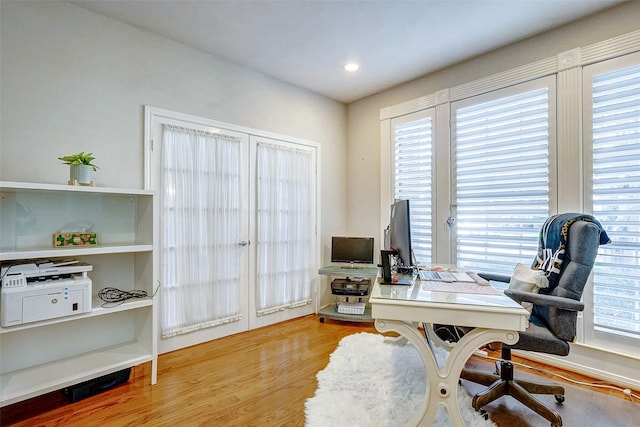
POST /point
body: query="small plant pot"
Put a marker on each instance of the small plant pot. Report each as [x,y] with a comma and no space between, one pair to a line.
[81,175]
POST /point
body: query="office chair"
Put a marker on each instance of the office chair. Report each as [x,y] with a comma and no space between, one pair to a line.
[554,316]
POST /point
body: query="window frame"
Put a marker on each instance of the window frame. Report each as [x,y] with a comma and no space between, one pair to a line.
[548,83]
[567,66]
[588,333]
[409,118]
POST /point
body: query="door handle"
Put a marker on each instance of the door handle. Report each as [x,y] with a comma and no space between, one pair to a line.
[244,243]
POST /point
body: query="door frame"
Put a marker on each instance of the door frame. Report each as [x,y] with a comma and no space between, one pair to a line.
[154,118]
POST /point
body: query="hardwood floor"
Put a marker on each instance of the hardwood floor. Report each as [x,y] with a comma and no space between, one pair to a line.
[258,378]
[584,406]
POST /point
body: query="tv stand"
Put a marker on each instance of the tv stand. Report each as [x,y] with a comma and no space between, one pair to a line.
[349,285]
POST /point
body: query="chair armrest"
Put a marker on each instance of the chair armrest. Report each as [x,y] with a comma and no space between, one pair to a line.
[495,277]
[545,300]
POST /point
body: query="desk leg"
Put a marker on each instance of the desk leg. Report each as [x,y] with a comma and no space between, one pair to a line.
[442,388]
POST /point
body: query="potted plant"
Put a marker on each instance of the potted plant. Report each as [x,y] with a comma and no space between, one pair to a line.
[81,168]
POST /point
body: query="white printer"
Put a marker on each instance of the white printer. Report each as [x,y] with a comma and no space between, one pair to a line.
[37,290]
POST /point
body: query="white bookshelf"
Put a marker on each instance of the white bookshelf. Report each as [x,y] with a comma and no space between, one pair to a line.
[36,380]
[40,357]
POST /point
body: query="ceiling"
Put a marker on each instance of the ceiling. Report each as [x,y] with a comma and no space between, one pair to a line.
[306,43]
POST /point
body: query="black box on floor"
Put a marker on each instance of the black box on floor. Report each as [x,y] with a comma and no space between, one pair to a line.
[97,385]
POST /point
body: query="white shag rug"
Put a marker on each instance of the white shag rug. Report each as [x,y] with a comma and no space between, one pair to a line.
[372,383]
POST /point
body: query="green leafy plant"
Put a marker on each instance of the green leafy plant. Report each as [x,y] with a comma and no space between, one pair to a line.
[79,159]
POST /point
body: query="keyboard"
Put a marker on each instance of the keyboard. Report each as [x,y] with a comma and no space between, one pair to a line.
[445,276]
[441,276]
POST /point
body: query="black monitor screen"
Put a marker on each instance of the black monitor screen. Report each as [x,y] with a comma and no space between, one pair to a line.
[400,231]
[352,249]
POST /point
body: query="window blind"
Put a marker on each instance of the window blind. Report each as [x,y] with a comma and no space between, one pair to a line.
[501,150]
[616,200]
[413,143]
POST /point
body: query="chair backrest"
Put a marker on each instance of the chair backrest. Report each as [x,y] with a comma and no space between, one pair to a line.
[581,250]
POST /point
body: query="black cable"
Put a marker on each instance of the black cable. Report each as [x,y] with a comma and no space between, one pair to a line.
[113,296]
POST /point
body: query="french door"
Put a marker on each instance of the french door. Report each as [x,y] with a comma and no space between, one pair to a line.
[284,249]
[237,228]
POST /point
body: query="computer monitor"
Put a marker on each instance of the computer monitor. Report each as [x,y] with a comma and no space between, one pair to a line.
[400,232]
[352,250]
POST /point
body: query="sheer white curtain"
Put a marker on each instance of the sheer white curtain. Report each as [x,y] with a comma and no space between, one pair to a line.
[200,230]
[285,223]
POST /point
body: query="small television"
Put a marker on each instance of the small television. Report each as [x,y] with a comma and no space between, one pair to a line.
[400,232]
[352,250]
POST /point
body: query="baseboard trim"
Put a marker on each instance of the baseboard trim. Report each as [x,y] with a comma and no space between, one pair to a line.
[614,368]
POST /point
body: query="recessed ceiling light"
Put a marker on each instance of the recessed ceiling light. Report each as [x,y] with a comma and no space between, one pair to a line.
[351,67]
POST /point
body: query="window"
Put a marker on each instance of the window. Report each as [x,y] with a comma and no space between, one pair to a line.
[613,117]
[502,190]
[558,135]
[412,177]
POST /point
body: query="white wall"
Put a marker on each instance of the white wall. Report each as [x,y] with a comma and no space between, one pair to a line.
[363,122]
[73,80]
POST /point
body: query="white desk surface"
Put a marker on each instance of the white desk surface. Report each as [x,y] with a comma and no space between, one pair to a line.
[417,303]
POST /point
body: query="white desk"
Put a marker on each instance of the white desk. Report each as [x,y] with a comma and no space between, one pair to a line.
[402,309]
